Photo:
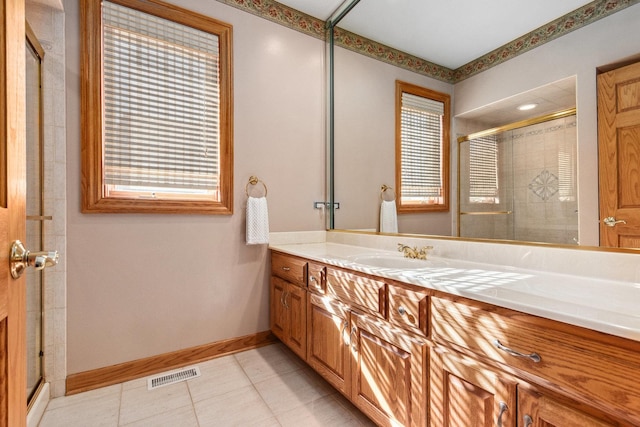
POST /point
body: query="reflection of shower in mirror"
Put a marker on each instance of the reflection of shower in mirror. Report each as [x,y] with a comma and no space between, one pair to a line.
[519,182]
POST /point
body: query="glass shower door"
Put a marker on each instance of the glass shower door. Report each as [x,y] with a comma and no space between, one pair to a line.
[35,214]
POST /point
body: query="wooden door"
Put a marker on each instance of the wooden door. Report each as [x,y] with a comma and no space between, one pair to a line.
[13,399]
[388,373]
[538,410]
[328,341]
[465,393]
[619,156]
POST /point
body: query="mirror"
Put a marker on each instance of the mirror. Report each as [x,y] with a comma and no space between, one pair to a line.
[363,122]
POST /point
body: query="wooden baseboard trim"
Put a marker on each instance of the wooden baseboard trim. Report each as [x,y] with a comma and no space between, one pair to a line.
[109,375]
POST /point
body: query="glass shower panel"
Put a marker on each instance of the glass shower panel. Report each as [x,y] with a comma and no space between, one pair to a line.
[486,190]
[34,219]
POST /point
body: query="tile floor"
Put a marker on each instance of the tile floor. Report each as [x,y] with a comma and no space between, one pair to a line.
[268,386]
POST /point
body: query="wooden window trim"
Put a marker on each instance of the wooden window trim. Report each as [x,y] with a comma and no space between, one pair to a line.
[94,200]
[446,126]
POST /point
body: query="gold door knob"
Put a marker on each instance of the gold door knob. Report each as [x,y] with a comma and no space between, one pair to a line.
[20,258]
[611,221]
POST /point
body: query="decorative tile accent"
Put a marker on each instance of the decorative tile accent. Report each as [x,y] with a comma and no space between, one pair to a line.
[544,185]
[281,14]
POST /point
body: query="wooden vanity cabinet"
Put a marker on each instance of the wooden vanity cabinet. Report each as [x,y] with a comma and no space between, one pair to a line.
[328,351]
[593,373]
[466,393]
[379,367]
[535,409]
[359,291]
[409,309]
[389,372]
[317,274]
[288,315]
[409,356]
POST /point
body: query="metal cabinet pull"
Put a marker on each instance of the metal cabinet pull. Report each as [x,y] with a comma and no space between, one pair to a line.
[312,279]
[503,409]
[346,339]
[535,357]
[402,311]
[528,421]
[354,344]
[286,268]
[285,299]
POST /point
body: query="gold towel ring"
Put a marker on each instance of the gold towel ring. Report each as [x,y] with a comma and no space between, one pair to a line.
[253,180]
[385,188]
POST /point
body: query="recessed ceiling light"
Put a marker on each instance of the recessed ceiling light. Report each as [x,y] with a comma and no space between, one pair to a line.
[525,107]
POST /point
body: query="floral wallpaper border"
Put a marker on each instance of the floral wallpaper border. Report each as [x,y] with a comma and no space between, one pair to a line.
[294,19]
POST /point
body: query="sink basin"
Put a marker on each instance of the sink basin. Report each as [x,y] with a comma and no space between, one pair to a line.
[391,261]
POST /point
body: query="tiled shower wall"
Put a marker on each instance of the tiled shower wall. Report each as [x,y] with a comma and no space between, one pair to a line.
[544,182]
[48,25]
[537,187]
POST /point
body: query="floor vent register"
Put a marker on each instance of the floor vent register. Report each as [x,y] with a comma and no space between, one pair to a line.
[162,380]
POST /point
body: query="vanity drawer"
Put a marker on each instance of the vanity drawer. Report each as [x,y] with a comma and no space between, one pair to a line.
[316,274]
[356,290]
[291,269]
[598,369]
[409,309]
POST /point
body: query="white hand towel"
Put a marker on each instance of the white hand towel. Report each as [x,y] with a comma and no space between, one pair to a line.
[388,217]
[257,221]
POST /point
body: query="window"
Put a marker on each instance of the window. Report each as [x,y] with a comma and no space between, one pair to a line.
[422,149]
[156,109]
[483,170]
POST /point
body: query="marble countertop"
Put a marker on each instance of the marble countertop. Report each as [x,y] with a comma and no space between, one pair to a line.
[607,306]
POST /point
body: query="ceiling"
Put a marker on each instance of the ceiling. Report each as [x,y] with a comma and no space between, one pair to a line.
[450,33]
[551,98]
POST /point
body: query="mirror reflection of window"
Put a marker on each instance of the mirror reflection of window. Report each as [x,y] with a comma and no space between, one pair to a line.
[483,170]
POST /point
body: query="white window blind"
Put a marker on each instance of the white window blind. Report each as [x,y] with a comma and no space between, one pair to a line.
[161,103]
[567,175]
[483,169]
[421,149]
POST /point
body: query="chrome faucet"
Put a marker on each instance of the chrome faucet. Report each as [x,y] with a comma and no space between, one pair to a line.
[414,252]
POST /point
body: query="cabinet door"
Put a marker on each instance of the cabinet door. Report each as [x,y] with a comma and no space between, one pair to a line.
[278,314]
[465,393]
[296,305]
[328,341]
[288,317]
[537,410]
[389,373]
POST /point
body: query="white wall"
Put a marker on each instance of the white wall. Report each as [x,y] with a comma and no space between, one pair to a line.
[609,40]
[365,142]
[142,285]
